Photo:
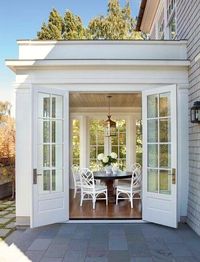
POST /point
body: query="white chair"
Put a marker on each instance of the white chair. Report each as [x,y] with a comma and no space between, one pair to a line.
[89,190]
[130,190]
[76,177]
[126,181]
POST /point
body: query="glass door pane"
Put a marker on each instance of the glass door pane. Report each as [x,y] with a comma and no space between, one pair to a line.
[159,143]
[50,143]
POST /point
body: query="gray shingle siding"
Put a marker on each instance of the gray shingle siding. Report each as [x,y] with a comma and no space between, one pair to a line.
[188,27]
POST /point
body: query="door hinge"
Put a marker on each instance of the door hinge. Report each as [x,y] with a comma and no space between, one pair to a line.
[173,176]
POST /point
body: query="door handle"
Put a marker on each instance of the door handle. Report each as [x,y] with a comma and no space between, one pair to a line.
[35,175]
[173,176]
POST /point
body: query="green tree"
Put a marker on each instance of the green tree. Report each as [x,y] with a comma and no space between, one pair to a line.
[73,27]
[53,29]
[117,24]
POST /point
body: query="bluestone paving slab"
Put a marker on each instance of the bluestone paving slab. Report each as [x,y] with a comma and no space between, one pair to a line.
[60,240]
[57,250]
[118,244]
[98,245]
[40,244]
[138,250]
[81,235]
[48,259]
[97,253]
[118,256]
[75,256]
[179,249]
[163,259]
[103,242]
[141,259]
[77,245]
[34,256]
[97,259]
[186,259]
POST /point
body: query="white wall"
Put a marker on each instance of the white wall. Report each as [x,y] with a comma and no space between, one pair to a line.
[107,50]
[105,76]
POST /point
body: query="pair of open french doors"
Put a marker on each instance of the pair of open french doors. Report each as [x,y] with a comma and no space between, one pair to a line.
[51,153]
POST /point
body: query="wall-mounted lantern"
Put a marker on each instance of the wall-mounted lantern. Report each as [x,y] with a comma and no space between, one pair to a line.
[195,112]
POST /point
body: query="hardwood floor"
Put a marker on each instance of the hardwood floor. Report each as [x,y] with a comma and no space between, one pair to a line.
[122,211]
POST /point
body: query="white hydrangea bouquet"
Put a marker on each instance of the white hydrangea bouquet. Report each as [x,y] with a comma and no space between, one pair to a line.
[107,160]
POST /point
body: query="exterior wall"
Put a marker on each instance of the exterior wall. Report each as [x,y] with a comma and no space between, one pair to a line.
[161,20]
[149,65]
[188,27]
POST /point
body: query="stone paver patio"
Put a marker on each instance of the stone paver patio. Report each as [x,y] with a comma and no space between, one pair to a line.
[106,242]
[7,217]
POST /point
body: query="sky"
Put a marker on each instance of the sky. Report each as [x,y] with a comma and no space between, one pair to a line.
[22,19]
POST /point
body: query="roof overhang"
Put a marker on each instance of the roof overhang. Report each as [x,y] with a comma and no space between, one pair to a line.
[16,65]
[146,15]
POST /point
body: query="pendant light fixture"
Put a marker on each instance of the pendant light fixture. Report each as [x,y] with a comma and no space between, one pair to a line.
[110,126]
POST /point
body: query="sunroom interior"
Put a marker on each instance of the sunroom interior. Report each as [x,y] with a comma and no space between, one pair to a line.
[88,115]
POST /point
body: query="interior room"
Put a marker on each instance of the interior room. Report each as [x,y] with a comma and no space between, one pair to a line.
[101,125]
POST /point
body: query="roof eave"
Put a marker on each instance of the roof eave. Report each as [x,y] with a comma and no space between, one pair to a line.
[140,15]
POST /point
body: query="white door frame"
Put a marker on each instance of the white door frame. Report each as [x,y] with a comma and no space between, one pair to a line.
[84,88]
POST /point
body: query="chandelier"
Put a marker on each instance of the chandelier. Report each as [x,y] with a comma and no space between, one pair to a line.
[110,126]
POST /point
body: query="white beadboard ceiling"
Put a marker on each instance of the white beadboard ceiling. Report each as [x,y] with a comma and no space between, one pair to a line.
[100,99]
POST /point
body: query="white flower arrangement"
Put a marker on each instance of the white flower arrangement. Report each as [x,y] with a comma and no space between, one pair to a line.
[107,160]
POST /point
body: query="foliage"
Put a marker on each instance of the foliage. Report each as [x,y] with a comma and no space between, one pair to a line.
[7,143]
[5,108]
[117,24]
[53,30]
[73,27]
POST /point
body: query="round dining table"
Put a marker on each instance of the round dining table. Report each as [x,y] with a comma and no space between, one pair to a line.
[109,181]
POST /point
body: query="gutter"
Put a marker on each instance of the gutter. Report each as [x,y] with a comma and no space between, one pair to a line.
[141,13]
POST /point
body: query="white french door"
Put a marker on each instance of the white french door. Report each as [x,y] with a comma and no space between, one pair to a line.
[160,156]
[50,198]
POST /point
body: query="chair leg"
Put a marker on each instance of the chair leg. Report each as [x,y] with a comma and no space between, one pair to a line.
[117,198]
[106,198]
[93,201]
[75,189]
[81,200]
[131,196]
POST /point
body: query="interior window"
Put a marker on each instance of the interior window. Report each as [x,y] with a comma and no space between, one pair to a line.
[118,143]
[139,142]
[75,142]
[96,135]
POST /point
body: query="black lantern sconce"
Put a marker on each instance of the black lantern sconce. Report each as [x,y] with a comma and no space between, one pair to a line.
[195,112]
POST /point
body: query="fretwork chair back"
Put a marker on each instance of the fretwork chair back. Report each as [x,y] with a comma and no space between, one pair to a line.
[89,189]
[76,177]
[133,190]
[128,180]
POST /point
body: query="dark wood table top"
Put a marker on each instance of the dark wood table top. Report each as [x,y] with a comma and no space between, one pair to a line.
[119,175]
